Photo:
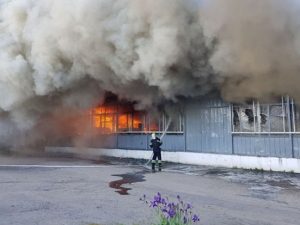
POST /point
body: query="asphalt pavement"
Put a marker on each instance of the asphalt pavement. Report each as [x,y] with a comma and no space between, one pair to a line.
[62,190]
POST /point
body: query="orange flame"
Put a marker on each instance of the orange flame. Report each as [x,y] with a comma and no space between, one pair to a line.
[111,119]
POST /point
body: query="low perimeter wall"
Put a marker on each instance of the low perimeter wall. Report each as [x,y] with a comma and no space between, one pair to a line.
[230,161]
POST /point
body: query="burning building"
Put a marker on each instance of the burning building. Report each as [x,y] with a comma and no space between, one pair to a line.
[210,127]
[204,125]
[58,60]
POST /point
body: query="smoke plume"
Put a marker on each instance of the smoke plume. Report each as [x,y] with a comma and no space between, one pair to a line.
[59,56]
[258,50]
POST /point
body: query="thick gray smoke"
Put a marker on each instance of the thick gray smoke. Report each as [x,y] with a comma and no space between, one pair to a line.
[258,52]
[65,54]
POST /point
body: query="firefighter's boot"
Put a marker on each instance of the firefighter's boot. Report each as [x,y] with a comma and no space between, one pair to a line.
[159,165]
[153,167]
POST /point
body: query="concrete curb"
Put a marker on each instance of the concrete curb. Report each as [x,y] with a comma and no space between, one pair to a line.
[229,161]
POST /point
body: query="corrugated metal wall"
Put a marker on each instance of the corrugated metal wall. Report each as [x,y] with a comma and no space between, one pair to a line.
[275,145]
[133,141]
[296,144]
[208,127]
[208,130]
[171,142]
[104,141]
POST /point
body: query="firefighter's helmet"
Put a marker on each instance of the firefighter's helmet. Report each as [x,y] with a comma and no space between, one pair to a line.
[153,136]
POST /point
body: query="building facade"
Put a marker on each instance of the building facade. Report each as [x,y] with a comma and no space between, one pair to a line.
[205,126]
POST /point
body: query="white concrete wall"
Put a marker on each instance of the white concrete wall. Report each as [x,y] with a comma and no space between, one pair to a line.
[230,161]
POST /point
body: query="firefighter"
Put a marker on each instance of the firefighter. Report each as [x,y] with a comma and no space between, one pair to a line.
[155,145]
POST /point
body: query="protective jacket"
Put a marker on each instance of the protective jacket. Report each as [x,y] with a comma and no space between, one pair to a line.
[155,145]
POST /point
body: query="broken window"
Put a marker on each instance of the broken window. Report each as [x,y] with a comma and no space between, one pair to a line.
[243,119]
[295,117]
[276,118]
[261,118]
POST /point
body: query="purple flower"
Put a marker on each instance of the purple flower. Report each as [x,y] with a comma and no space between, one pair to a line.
[157,198]
[188,206]
[153,204]
[170,205]
[195,218]
[171,212]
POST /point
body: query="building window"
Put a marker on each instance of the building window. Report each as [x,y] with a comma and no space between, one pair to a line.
[162,122]
[264,118]
[295,117]
[124,115]
[138,121]
[175,124]
[104,119]
[122,118]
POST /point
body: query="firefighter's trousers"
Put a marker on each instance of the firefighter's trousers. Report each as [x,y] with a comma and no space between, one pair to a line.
[156,155]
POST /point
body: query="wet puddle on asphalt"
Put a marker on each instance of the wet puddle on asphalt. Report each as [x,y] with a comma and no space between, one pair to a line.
[261,184]
[127,178]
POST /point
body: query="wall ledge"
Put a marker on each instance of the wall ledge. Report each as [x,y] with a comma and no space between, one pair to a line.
[229,161]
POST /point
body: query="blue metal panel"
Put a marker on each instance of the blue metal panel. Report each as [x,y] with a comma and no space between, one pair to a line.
[133,141]
[208,128]
[173,142]
[275,145]
[104,141]
[296,142]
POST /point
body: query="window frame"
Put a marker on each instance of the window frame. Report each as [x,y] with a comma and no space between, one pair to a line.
[145,119]
[288,117]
